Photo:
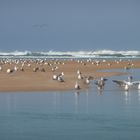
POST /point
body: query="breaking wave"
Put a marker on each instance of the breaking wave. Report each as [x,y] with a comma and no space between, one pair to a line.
[76,54]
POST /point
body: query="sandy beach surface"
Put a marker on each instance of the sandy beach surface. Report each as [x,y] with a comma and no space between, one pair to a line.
[37,75]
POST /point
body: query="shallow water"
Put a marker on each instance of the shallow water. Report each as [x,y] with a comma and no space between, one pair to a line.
[71,115]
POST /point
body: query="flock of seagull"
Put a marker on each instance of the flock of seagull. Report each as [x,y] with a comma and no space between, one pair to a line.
[124,84]
[100,83]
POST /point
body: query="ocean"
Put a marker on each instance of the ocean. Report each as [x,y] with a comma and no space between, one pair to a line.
[72,115]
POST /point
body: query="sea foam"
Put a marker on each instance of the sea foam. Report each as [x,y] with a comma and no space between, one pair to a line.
[76,54]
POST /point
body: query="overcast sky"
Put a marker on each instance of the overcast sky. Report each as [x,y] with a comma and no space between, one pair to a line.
[69,25]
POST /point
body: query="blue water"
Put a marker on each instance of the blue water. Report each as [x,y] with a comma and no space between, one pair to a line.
[89,114]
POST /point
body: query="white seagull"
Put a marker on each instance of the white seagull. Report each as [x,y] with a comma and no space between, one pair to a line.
[127,84]
[77,86]
[59,77]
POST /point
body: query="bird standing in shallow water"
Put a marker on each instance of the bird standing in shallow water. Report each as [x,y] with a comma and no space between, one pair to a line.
[126,85]
[77,86]
[100,83]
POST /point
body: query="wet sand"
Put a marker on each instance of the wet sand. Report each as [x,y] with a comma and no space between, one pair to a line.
[32,75]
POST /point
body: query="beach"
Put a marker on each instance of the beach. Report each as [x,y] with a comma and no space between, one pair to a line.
[37,75]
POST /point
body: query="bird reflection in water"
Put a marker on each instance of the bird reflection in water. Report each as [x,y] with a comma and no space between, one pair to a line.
[127,97]
[76,94]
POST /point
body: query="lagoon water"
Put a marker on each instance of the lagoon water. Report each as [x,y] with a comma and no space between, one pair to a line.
[71,115]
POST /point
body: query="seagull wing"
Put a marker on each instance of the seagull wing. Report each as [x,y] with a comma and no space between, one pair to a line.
[105,79]
[120,83]
[136,83]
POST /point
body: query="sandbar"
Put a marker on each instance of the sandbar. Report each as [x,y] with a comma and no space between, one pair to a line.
[37,75]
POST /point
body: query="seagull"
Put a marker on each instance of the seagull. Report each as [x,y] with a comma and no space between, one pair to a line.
[126,87]
[137,83]
[127,84]
[58,77]
[122,83]
[15,68]
[77,86]
[79,72]
[100,83]
[9,70]
[0,68]
[88,79]
[55,77]
[35,69]
[80,76]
